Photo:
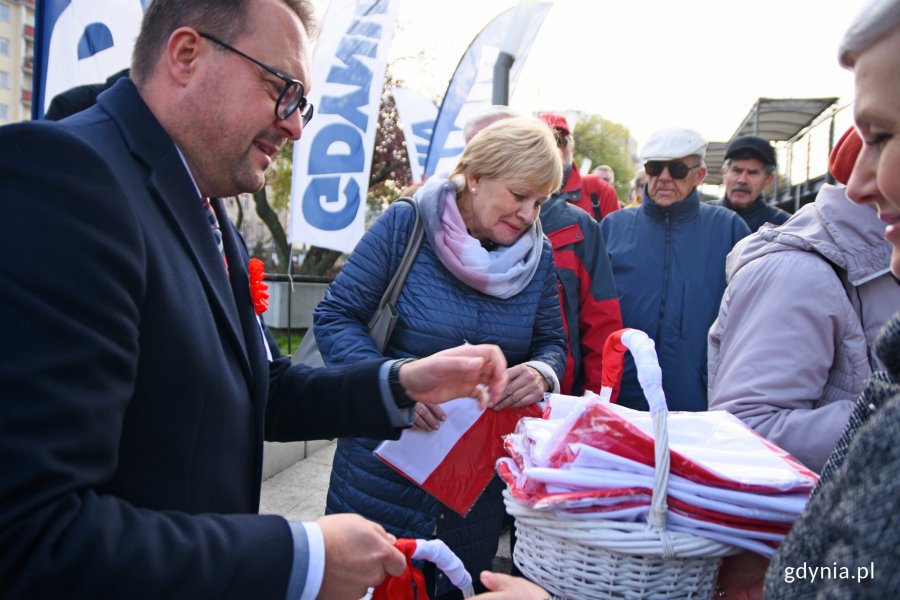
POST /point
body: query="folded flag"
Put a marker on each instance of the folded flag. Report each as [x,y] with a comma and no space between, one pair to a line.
[455,463]
[590,459]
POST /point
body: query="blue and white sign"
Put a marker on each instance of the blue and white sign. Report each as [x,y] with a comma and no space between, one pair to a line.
[333,158]
[417,114]
[471,87]
[80,42]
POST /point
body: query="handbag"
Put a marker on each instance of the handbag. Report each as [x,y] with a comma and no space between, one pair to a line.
[383,321]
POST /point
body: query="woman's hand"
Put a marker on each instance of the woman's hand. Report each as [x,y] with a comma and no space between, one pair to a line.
[507,587]
[742,576]
[428,417]
[526,386]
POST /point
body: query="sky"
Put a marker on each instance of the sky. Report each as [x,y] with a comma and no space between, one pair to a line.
[646,64]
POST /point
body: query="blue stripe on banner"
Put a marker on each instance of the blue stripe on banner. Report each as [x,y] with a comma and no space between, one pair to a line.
[333,159]
[471,86]
[45,16]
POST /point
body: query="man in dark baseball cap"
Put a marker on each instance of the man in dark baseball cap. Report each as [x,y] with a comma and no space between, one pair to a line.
[748,170]
[751,146]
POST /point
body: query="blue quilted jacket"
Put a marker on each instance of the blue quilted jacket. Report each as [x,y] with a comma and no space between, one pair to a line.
[437,311]
[669,265]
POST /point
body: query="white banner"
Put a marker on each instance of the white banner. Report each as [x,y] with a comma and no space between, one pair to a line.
[81,41]
[471,87]
[333,158]
[417,114]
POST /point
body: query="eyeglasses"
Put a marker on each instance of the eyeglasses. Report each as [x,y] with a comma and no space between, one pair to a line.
[677,169]
[291,97]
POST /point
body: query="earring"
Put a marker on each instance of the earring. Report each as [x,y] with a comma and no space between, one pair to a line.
[473,190]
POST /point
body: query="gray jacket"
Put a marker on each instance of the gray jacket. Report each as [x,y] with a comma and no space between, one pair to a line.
[792,345]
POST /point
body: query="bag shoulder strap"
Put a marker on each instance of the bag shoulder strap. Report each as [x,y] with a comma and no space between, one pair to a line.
[595,204]
[593,182]
[395,286]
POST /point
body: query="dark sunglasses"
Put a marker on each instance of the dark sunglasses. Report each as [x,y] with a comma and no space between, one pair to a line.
[677,169]
[291,97]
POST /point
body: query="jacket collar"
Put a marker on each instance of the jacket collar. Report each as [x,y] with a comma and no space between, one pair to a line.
[171,187]
[755,207]
[572,178]
[846,234]
[556,211]
[680,211]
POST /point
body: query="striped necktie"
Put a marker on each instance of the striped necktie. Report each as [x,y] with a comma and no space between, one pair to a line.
[216,230]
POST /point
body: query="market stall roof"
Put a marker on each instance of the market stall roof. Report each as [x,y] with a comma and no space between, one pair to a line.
[776,119]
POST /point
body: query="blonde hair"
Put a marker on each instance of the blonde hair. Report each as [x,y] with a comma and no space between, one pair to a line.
[518,149]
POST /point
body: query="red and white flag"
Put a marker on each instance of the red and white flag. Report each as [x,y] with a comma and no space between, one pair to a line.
[455,463]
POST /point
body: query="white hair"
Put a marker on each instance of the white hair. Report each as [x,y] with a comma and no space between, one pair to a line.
[485,117]
[876,19]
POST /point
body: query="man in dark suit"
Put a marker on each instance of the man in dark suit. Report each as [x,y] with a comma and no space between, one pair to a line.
[135,389]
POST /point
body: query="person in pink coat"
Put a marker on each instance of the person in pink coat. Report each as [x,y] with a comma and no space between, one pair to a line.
[792,346]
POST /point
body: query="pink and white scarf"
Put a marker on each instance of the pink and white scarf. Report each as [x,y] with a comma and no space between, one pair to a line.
[502,272]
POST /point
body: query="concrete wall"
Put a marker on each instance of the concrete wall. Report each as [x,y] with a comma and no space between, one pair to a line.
[278,456]
[302,299]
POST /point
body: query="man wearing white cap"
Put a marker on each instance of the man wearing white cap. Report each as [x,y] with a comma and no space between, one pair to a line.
[668,258]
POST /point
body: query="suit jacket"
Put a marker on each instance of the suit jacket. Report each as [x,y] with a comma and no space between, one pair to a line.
[135,392]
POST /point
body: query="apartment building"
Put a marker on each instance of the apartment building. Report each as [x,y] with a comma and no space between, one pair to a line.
[16,59]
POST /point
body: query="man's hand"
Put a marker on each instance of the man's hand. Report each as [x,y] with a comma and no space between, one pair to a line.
[507,587]
[478,371]
[358,555]
[526,386]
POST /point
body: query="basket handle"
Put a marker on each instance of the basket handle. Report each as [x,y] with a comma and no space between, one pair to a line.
[650,377]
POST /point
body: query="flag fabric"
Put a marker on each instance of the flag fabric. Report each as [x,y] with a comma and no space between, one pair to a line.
[79,42]
[709,474]
[455,463]
[471,87]
[333,158]
[410,585]
[417,114]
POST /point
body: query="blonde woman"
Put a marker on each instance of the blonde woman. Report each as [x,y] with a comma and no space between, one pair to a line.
[483,274]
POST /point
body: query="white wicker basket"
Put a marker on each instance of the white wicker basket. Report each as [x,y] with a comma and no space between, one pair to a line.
[608,559]
[600,558]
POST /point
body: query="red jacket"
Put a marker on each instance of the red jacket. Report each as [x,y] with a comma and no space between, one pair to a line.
[590,304]
[590,193]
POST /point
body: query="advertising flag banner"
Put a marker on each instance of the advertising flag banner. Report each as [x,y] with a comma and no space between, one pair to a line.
[79,42]
[333,158]
[417,115]
[471,87]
